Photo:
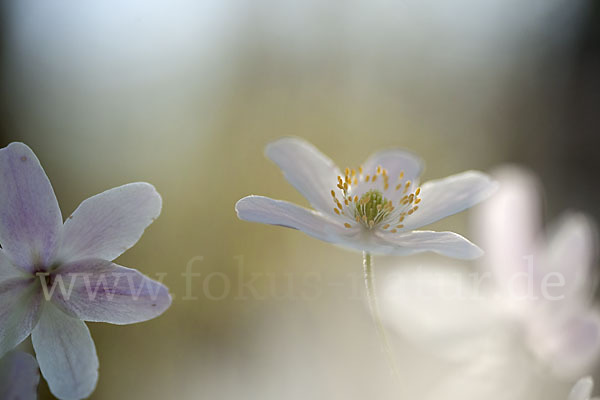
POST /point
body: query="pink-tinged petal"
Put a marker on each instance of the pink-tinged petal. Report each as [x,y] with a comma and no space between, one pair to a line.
[569,344]
[282,213]
[30,219]
[107,224]
[100,291]
[8,270]
[449,244]
[66,354]
[19,376]
[582,390]
[311,172]
[20,302]
[448,196]
[395,161]
[507,227]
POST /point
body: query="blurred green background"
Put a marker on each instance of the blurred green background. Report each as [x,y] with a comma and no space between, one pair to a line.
[186,94]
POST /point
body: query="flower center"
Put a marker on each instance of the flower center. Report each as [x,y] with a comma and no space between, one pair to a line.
[44,275]
[375,208]
[372,207]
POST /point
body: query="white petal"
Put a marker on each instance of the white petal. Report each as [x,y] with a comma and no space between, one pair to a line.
[446,243]
[19,376]
[30,218]
[395,161]
[439,308]
[311,172]
[100,291]
[571,251]
[508,224]
[107,224]
[20,301]
[66,354]
[444,197]
[582,390]
[276,212]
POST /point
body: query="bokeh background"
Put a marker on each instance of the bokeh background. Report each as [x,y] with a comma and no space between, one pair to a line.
[185,95]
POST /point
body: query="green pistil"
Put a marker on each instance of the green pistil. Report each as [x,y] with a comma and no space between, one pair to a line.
[368,206]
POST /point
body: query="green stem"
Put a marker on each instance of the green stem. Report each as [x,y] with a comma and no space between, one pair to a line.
[374,308]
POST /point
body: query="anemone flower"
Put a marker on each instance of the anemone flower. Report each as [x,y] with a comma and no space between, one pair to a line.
[531,298]
[54,276]
[374,208]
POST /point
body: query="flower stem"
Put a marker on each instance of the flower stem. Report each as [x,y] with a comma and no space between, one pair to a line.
[374,308]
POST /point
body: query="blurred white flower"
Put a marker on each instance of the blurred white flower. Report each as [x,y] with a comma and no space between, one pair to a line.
[543,280]
[375,208]
[529,304]
[582,390]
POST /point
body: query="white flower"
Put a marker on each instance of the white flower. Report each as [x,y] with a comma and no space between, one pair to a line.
[19,376]
[374,208]
[582,390]
[544,279]
[534,289]
[40,254]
